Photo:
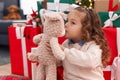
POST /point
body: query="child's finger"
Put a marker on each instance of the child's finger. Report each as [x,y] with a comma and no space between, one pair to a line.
[48,44]
[49,50]
[48,47]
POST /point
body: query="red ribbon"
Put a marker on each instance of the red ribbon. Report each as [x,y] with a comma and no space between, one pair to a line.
[111,8]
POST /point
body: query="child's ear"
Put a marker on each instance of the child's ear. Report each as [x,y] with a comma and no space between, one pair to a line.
[64,16]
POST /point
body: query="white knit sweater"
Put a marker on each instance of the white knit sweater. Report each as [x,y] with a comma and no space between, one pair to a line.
[82,62]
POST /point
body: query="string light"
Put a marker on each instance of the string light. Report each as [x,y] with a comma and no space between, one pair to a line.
[90,6]
[78,2]
[87,3]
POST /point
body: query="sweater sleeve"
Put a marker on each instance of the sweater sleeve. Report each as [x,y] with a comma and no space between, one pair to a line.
[90,58]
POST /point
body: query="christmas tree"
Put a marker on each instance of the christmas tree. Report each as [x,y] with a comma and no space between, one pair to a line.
[87,3]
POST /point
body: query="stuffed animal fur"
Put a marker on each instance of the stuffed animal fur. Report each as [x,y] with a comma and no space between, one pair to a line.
[53,28]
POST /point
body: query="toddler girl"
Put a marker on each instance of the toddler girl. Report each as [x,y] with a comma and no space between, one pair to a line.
[86,50]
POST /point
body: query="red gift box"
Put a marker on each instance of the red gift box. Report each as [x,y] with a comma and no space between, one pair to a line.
[111,37]
[106,5]
[21,43]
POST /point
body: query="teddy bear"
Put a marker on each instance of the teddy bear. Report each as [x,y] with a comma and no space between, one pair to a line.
[53,27]
[12,13]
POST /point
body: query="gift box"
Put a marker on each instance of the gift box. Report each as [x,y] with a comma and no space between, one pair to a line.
[119,6]
[106,5]
[64,5]
[113,18]
[113,39]
[20,41]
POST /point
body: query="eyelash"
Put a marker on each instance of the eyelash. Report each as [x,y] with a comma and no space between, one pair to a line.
[73,22]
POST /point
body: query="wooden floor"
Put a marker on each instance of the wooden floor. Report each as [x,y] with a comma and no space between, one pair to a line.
[5,69]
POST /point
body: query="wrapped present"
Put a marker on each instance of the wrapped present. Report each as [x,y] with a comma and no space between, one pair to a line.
[61,5]
[20,41]
[61,39]
[110,18]
[106,5]
[112,36]
[119,6]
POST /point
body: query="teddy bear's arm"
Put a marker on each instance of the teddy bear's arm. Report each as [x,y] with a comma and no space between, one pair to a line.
[33,55]
[37,38]
[57,51]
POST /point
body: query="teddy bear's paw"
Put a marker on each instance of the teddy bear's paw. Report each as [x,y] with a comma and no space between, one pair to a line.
[37,38]
[36,41]
[32,57]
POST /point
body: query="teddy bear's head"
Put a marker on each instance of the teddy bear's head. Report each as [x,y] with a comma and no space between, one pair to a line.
[54,24]
[12,8]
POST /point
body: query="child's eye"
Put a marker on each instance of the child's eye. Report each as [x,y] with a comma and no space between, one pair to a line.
[73,22]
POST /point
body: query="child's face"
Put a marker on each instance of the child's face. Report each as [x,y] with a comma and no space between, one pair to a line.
[73,25]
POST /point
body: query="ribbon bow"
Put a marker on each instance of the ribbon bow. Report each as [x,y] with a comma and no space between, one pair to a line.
[111,8]
[112,17]
[57,2]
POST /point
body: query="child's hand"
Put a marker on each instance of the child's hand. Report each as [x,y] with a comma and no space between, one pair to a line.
[48,47]
[62,47]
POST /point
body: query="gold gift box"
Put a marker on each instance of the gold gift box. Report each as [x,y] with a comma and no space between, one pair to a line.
[103,5]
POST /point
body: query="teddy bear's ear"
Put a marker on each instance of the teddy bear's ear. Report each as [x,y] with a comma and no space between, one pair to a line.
[42,12]
[43,16]
[64,16]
